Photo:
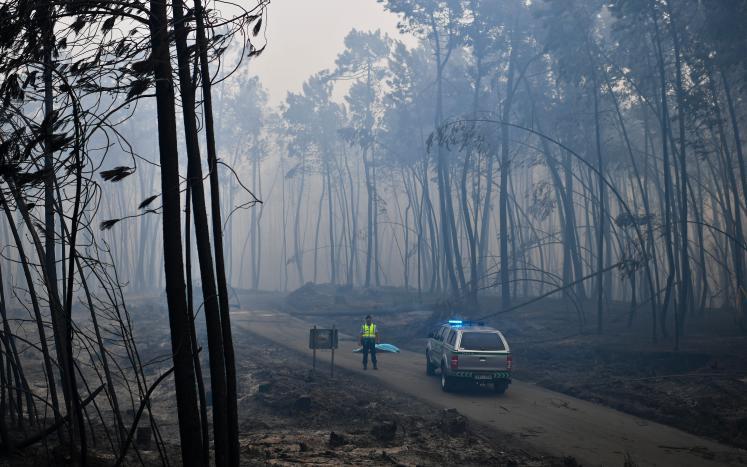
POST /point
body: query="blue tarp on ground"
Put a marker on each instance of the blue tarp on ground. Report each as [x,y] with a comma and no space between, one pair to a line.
[381,348]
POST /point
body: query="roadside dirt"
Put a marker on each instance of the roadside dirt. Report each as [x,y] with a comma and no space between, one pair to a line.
[700,392]
[290,414]
[702,388]
[546,420]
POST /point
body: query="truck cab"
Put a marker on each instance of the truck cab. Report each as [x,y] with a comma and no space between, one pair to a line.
[465,352]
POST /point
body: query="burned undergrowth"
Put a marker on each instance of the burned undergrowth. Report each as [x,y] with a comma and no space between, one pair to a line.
[700,389]
[290,414]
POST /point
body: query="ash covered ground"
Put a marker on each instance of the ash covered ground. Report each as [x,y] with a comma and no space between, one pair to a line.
[701,388]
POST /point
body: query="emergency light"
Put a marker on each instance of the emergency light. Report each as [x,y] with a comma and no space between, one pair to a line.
[460,322]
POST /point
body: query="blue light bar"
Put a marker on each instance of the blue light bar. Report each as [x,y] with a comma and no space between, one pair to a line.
[456,321]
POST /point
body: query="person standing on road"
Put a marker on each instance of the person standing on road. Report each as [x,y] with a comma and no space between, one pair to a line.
[369,339]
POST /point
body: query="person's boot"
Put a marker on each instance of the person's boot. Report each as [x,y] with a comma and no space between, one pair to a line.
[375,367]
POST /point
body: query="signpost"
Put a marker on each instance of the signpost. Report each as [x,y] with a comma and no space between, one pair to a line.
[320,338]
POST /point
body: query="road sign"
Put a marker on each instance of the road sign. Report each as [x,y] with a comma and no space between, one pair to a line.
[320,338]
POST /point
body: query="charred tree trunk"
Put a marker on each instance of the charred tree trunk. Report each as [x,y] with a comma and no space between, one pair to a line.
[220,267]
[331,225]
[739,252]
[204,430]
[505,170]
[685,286]
[664,120]
[216,343]
[184,376]
[601,226]
[38,319]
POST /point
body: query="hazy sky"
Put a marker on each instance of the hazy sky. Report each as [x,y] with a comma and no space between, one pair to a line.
[305,36]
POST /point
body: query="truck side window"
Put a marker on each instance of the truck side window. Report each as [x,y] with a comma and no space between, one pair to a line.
[452,337]
[442,334]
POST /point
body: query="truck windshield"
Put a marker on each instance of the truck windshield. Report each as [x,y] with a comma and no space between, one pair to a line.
[481,341]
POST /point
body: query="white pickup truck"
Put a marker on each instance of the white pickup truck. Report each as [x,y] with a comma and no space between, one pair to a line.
[465,352]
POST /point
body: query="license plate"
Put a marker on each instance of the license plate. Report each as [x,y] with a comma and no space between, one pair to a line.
[483,377]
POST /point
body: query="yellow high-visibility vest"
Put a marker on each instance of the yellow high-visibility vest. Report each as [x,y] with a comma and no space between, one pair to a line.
[368,331]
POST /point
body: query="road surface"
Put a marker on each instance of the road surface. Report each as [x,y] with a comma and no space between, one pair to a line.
[552,422]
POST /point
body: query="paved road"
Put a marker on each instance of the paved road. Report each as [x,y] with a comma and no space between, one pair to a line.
[553,422]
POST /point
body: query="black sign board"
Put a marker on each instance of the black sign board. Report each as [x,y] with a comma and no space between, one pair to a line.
[322,338]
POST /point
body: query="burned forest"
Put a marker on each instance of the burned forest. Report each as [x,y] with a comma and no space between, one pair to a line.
[528,214]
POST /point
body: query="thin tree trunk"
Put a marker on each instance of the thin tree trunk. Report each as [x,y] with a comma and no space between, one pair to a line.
[664,120]
[48,256]
[330,223]
[685,284]
[602,211]
[38,319]
[220,267]
[184,376]
[298,253]
[316,235]
[742,284]
[354,195]
[192,332]
[505,170]
[213,318]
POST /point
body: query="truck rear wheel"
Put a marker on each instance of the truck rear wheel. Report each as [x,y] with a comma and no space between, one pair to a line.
[447,383]
[500,387]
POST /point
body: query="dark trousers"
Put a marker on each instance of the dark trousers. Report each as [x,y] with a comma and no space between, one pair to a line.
[369,345]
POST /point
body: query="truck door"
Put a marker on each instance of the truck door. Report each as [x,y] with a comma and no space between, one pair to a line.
[450,345]
[438,346]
